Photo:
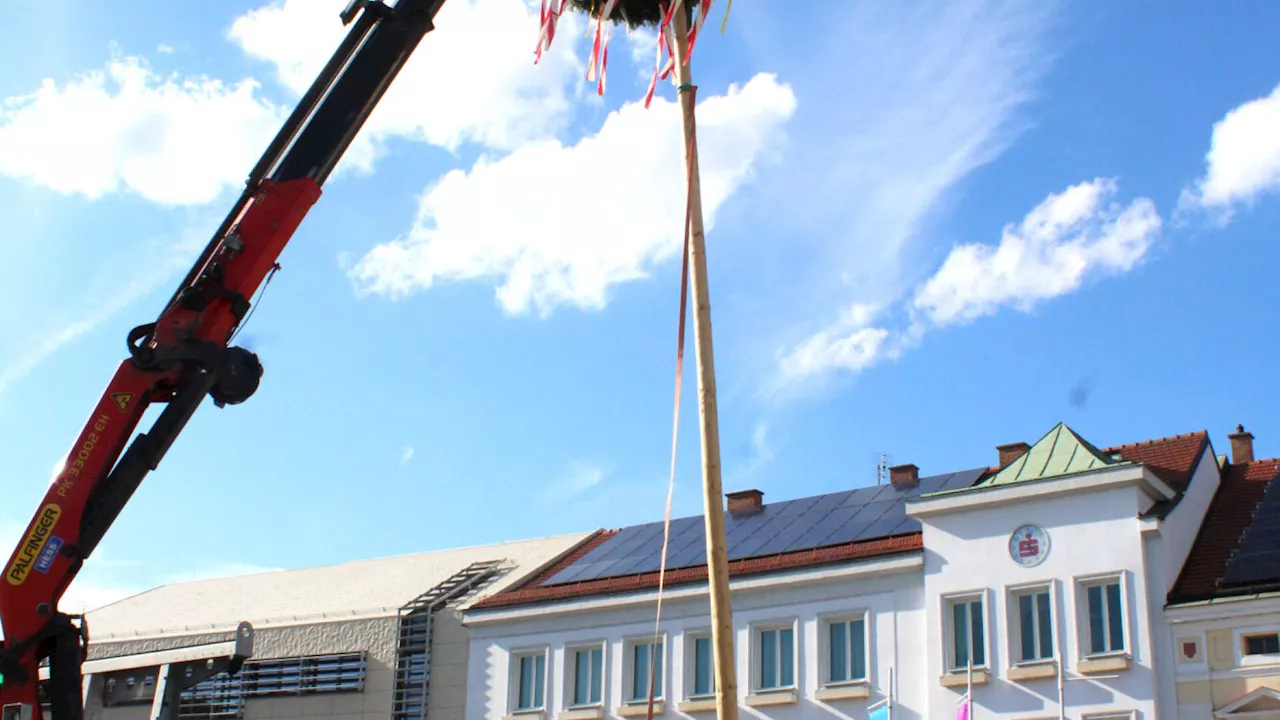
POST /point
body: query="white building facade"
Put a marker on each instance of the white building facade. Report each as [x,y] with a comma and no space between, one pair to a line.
[984,582]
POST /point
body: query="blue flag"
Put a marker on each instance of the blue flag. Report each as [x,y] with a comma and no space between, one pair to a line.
[880,713]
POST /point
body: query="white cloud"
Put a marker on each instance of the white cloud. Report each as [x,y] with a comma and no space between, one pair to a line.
[472,79]
[850,344]
[406,454]
[1074,235]
[1070,238]
[528,221]
[169,139]
[579,478]
[1243,161]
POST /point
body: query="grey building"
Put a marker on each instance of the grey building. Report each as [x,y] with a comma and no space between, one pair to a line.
[371,639]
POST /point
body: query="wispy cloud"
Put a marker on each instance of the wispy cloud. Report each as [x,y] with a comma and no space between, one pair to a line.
[406,454]
[897,107]
[1243,162]
[1073,237]
[216,570]
[761,449]
[576,480]
[44,332]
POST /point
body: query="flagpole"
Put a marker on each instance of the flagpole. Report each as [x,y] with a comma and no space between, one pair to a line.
[890,693]
[969,684]
[1062,687]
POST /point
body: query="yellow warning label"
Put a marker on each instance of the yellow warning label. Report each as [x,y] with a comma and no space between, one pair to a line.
[122,400]
[33,547]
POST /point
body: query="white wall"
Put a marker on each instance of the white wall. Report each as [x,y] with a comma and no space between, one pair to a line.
[894,622]
[1180,528]
[1167,552]
[1091,532]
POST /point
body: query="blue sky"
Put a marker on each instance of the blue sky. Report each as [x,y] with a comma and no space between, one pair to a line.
[930,233]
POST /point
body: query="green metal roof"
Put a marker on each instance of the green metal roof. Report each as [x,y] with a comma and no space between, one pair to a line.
[1060,452]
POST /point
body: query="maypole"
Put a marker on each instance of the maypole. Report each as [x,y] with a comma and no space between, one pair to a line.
[678,33]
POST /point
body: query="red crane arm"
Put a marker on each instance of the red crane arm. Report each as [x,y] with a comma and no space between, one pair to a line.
[185,355]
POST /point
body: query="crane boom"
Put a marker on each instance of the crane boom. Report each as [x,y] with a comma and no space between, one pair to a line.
[184,355]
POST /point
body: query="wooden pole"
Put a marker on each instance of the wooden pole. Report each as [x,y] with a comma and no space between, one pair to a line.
[713,497]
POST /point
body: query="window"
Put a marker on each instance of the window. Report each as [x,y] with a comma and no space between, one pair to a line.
[846,650]
[966,633]
[775,660]
[224,695]
[1106,617]
[1262,644]
[304,675]
[530,681]
[1033,615]
[588,676]
[1257,645]
[644,656]
[702,682]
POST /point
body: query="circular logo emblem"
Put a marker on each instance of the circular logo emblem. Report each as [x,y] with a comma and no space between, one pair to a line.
[1029,545]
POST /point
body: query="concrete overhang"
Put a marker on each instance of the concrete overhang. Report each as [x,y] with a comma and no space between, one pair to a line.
[241,646]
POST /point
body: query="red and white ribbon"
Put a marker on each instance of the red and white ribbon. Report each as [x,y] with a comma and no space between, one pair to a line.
[600,46]
[599,60]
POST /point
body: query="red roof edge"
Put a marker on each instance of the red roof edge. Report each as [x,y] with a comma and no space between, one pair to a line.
[532,592]
[564,559]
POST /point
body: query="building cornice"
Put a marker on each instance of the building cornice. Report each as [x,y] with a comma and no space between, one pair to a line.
[1226,609]
[994,495]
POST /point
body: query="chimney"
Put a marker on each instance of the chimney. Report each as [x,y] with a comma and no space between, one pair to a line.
[1241,446]
[1011,452]
[745,502]
[904,477]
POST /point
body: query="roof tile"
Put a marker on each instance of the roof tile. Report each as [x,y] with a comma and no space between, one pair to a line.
[1229,515]
[1172,459]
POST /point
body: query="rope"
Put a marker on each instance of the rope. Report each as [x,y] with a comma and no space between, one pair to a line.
[275,267]
[691,149]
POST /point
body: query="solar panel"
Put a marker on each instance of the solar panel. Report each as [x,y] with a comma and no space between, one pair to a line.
[804,523]
[694,554]
[598,562]
[644,556]
[817,534]
[1258,558]
[787,538]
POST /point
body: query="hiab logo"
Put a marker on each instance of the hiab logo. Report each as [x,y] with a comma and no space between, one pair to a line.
[33,547]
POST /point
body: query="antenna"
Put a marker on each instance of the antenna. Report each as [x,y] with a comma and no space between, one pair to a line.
[882,469]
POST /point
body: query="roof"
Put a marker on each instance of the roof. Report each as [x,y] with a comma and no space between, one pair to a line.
[804,532]
[1232,513]
[626,559]
[1172,459]
[1060,452]
[360,588]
